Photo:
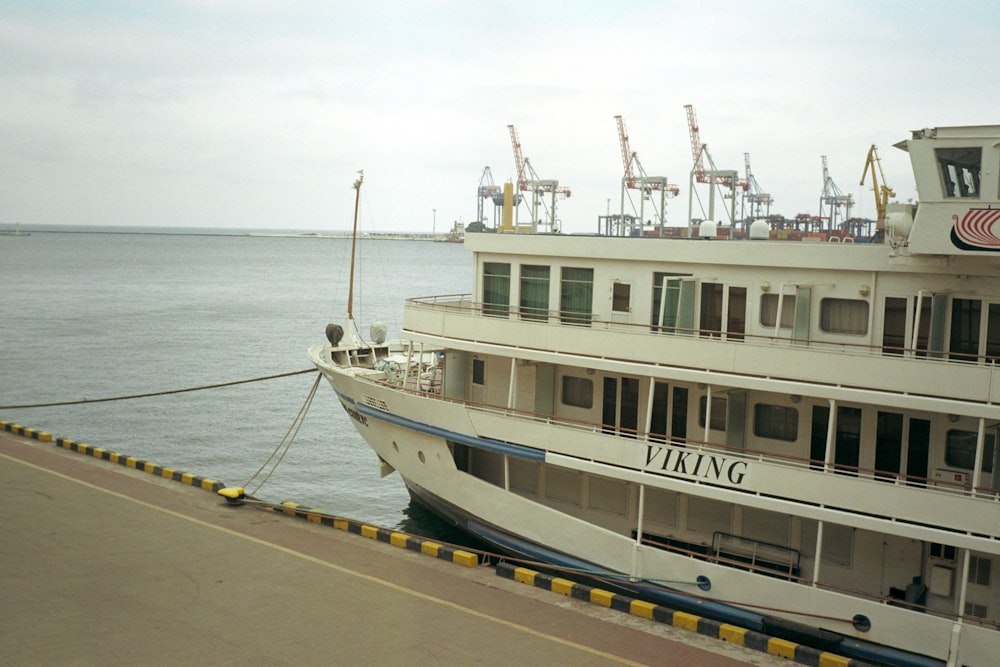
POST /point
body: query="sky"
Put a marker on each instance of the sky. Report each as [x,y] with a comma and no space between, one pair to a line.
[259,114]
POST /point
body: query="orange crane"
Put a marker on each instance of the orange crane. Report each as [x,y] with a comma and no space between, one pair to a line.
[643,183]
[882,191]
[528,181]
[725,181]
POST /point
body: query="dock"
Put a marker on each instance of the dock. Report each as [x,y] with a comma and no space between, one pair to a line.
[107,564]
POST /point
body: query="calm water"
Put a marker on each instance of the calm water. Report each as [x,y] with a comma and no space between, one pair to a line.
[94,315]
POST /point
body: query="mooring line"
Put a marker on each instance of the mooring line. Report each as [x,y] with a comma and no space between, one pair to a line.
[158,393]
[286,441]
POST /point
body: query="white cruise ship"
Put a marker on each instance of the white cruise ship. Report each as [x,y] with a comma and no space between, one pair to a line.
[799,438]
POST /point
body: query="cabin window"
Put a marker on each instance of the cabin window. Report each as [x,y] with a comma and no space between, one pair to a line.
[737,316]
[844,316]
[769,310]
[718,422]
[979,570]
[894,325]
[943,551]
[965,317]
[496,289]
[621,297]
[673,302]
[711,309]
[993,333]
[534,292]
[960,450]
[778,422]
[577,392]
[576,296]
[960,170]
[479,371]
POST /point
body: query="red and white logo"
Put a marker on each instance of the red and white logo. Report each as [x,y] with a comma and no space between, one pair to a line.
[977,229]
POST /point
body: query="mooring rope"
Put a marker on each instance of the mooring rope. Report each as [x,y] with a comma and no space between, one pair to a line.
[157,393]
[286,441]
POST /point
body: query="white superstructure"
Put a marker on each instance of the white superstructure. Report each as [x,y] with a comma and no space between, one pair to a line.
[800,434]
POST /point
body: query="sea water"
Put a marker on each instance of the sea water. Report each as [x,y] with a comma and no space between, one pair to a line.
[88,315]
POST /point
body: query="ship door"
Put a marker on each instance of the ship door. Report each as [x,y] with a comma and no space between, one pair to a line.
[621,406]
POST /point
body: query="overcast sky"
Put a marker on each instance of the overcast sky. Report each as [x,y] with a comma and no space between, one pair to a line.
[252,113]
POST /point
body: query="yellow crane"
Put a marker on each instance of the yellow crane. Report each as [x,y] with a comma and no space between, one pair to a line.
[882,191]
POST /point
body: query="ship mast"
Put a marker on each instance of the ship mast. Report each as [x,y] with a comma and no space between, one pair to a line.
[354,244]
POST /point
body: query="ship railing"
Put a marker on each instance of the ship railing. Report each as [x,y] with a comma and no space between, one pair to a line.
[467,305]
[409,383]
[746,556]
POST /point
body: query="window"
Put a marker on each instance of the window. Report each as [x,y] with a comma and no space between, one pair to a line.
[965,316]
[979,570]
[621,297]
[960,171]
[778,422]
[960,450]
[496,289]
[711,309]
[845,316]
[478,371]
[943,551]
[673,303]
[718,412]
[769,310]
[577,392]
[535,292]
[576,296]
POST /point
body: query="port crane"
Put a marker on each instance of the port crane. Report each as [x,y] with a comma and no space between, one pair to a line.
[724,181]
[646,185]
[528,181]
[882,191]
[759,201]
[487,190]
[834,198]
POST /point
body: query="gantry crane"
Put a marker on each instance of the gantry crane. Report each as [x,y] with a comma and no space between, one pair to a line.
[834,198]
[646,185]
[487,190]
[760,201]
[882,191]
[725,181]
[528,181]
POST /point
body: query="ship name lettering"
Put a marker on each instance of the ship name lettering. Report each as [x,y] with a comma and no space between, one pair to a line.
[355,415]
[696,464]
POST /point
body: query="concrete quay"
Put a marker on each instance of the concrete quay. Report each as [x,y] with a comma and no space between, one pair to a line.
[106,564]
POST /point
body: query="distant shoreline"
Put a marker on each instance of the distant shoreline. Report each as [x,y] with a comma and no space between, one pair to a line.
[219,231]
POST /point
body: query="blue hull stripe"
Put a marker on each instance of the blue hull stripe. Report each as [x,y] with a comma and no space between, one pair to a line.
[498,446]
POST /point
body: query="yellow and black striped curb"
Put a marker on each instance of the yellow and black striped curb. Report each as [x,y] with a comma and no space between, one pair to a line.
[17,429]
[403,540]
[660,614]
[139,464]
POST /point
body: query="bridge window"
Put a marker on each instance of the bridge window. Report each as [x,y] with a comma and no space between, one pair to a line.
[960,171]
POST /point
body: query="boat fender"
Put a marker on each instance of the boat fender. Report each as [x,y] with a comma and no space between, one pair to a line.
[234,495]
[334,333]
